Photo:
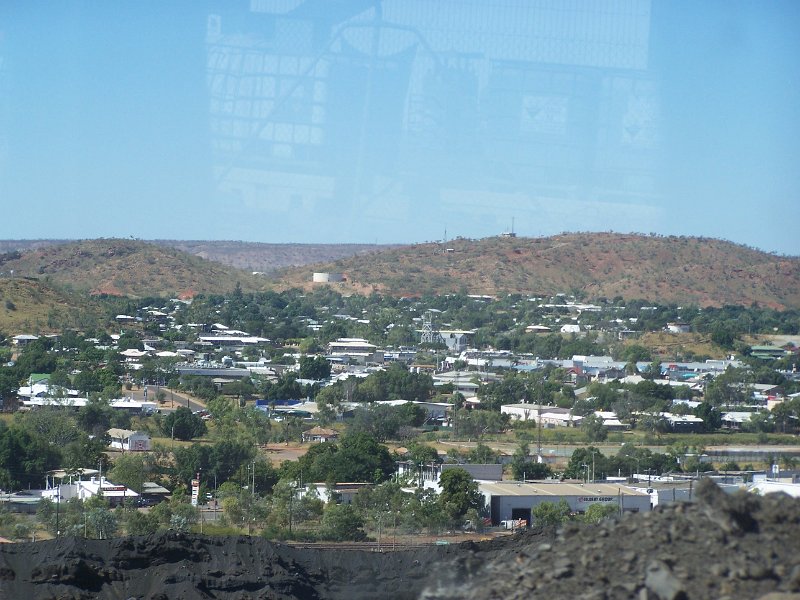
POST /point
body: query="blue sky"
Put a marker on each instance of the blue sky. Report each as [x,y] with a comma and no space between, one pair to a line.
[304,121]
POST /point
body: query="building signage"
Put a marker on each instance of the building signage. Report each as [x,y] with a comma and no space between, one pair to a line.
[597,499]
[195,491]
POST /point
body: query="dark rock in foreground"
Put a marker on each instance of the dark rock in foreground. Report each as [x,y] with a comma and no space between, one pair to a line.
[722,547]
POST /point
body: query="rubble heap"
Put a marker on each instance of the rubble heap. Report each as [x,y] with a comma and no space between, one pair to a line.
[739,546]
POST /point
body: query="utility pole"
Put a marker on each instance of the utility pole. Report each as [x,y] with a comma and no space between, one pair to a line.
[380,522]
[291,498]
[58,503]
[539,432]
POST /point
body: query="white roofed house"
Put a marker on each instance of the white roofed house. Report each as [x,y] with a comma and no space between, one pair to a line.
[611,420]
[320,434]
[550,416]
[83,490]
[428,475]
[23,339]
[357,350]
[127,440]
[736,419]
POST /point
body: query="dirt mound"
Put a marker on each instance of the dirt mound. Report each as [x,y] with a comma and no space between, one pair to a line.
[739,546]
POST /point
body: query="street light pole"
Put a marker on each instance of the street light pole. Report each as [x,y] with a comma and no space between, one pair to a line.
[58,503]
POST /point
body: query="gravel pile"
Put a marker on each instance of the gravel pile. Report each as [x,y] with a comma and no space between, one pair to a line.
[740,546]
[722,547]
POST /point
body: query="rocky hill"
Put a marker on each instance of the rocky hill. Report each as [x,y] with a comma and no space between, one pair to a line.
[736,547]
[249,256]
[267,258]
[704,271]
[126,268]
[28,306]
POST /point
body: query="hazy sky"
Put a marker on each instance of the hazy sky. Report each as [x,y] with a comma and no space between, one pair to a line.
[331,121]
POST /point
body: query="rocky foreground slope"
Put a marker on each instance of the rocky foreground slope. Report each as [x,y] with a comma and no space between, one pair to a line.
[733,547]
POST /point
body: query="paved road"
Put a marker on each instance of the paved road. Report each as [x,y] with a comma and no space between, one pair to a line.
[172,399]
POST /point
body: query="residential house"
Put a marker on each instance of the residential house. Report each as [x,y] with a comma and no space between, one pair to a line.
[548,416]
[357,350]
[128,440]
[320,434]
[428,475]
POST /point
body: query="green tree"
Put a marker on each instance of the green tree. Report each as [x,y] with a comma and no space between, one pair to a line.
[341,522]
[184,515]
[586,458]
[183,424]
[137,522]
[229,457]
[96,416]
[257,424]
[712,418]
[723,336]
[266,476]
[551,513]
[24,458]
[729,388]
[35,358]
[314,367]
[594,429]
[66,519]
[599,511]
[483,455]
[358,457]
[523,468]
[51,425]
[362,458]
[101,522]
[459,494]
[420,453]
[283,499]
[9,383]
[130,470]
[654,424]
[477,423]
[604,396]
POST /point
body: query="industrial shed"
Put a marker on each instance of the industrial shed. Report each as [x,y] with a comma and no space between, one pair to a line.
[512,500]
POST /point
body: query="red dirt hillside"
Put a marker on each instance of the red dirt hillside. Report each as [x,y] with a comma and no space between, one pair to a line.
[705,271]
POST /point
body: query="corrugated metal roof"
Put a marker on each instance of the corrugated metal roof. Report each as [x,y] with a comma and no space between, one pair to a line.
[556,489]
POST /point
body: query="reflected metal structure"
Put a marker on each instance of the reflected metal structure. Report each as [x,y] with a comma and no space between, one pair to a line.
[383,109]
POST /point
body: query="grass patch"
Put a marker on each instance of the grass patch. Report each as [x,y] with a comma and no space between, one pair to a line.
[212,529]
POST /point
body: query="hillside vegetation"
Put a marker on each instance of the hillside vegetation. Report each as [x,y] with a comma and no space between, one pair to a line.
[707,272]
[250,256]
[30,306]
[266,258]
[127,268]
